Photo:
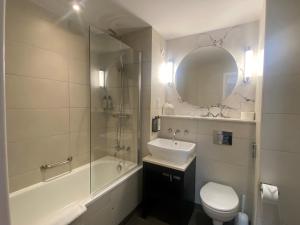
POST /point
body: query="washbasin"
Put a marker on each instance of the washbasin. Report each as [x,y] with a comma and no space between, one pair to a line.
[171,150]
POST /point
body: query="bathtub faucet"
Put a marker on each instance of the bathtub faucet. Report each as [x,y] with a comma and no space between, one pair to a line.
[119,148]
[119,166]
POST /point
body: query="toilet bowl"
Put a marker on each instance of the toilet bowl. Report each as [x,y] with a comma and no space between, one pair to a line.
[219,202]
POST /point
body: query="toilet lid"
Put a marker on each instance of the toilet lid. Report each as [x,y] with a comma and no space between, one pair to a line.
[219,197]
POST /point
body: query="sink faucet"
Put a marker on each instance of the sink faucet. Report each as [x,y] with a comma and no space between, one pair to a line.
[174,134]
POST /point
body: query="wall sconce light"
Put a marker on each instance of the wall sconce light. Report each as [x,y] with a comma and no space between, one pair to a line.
[166,72]
[76,7]
[101,78]
[249,65]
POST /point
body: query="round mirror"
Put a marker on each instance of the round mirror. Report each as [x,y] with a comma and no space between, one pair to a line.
[206,76]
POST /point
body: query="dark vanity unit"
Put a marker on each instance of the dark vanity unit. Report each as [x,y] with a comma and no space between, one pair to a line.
[169,191]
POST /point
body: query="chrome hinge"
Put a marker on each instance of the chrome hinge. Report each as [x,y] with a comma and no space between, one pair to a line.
[254,147]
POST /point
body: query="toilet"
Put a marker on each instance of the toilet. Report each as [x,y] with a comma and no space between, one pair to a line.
[220,202]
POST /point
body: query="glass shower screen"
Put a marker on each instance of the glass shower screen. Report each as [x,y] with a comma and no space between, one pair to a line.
[115,93]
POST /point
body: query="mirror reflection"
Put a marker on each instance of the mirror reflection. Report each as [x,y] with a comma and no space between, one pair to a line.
[206,76]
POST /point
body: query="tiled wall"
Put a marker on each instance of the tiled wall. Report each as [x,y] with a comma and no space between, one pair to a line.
[105,123]
[98,118]
[47,94]
[230,165]
[280,163]
[149,42]
[157,88]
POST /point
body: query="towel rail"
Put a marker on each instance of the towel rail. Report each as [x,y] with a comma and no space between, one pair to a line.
[49,166]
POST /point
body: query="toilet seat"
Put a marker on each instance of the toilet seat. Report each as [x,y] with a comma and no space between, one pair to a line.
[219,211]
[219,198]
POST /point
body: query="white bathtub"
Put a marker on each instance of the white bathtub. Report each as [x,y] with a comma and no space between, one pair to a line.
[51,201]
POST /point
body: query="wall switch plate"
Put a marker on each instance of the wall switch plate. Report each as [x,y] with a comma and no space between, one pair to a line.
[222,137]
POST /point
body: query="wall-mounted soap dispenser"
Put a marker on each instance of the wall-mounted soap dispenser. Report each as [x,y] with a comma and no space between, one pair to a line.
[156,124]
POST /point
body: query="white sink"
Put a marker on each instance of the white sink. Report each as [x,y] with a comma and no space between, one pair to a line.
[173,151]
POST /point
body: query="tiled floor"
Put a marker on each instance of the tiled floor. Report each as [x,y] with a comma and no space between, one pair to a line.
[198,218]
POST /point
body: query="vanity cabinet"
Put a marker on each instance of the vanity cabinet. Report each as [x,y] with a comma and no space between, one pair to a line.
[168,193]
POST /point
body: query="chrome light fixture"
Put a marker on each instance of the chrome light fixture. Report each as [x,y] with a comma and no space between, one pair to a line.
[249,65]
[166,73]
[76,6]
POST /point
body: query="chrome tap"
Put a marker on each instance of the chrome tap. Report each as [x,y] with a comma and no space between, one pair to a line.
[174,134]
[119,148]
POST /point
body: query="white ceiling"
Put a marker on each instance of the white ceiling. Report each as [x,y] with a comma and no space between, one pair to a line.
[171,18]
[104,14]
[177,18]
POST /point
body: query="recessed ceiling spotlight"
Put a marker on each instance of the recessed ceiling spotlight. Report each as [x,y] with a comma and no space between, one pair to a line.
[76,7]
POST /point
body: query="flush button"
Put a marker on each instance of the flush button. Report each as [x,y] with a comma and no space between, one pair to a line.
[222,137]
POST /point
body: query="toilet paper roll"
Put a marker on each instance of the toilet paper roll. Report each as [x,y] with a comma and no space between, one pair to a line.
[269,193]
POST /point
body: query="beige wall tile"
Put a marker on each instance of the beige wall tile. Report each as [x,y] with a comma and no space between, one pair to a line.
[146,74]
[78,46]
[282,32]
[35,62]
[29,24]
[79,71]
[129,96]
[141,41]
[79,95]
[132,72]
[240,130]
[26,92]
[281,108]
[79,119]
[281,132]
[79,143]
[42,56]
[182,124]
[24,180]
[239,153]
[30,154]
[146,97]
[278,168]
[23,124]
[282,91]
[289,204]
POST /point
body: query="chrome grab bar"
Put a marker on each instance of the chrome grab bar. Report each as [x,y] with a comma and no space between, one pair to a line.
[49,166]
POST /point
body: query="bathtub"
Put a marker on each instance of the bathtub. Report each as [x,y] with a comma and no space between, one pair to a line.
[61,200]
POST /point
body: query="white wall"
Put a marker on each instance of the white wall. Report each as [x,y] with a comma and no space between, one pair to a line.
[280,155]
[4,210]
